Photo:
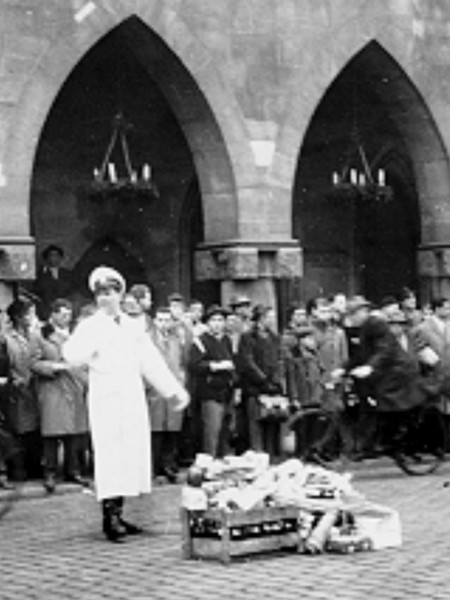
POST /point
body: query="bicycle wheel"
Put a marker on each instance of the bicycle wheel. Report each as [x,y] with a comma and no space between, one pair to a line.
[422,447]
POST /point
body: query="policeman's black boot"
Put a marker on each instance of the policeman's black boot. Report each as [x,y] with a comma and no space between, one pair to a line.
[112,527]
[130,528]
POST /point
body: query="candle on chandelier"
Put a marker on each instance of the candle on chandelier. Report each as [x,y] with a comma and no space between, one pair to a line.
[362,179]
[146,172]
[96,174]
[381,177]
[353,176]
[112,172]
[335,178]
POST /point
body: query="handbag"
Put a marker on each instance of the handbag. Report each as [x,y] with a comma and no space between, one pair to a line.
[275,408]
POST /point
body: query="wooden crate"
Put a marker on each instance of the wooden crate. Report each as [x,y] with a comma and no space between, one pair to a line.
[222,535]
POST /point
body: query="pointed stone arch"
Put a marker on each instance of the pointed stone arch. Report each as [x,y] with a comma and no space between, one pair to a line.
[183,68]
[400,99]
[387,53]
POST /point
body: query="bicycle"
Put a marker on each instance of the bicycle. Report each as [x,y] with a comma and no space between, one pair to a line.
[417,442]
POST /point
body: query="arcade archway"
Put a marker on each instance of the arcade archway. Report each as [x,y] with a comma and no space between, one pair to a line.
[173,129]
[368,248]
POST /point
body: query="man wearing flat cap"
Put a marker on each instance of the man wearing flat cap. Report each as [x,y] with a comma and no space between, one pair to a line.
[120,357]
[241,307]
[53,281]
[211,363]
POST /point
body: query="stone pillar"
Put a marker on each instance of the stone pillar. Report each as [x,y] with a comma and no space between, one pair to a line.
[249,268]
[434,270]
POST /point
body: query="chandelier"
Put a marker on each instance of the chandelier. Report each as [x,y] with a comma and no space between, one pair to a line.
[128,183]
[356,180]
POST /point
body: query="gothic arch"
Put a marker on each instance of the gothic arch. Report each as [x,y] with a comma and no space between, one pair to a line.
[183,68]
[401,135]
[401,96]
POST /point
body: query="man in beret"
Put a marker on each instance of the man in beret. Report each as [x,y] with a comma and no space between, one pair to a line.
[53,281]
[120,357]
[211,362]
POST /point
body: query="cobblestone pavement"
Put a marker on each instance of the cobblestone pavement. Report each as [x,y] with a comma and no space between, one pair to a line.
[51,548]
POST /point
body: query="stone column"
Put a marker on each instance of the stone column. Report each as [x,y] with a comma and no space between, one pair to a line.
[249,268]
[434,270]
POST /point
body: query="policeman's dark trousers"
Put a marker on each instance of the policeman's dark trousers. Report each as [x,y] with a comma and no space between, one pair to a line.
[215,422]
[112,514]
[71,455]
[113,505]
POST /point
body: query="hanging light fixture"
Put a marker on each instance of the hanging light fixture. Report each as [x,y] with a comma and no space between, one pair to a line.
[356,179]
[110,181]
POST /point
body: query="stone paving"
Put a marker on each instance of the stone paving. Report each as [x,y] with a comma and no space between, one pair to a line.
[51,548]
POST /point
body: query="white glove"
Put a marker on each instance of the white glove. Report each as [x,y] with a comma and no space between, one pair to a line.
[337,374]
[362,372]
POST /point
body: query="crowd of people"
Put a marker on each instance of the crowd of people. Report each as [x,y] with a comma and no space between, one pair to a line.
[229,358]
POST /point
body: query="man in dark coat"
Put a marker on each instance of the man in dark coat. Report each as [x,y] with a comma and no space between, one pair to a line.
[6,440]
[211,363]
[53,281]
[261,372]
[392,374]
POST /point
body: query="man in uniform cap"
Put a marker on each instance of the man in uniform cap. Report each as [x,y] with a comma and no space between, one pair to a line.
[119,357]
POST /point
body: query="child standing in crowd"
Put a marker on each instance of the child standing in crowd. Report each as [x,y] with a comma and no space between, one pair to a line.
[333,354]
[304,377]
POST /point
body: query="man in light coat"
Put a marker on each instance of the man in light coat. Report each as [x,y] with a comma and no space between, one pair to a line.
[119,357]
[166,421]
[433,334]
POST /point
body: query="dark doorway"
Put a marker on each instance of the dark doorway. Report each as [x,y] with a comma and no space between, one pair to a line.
[359,246]
[120,74]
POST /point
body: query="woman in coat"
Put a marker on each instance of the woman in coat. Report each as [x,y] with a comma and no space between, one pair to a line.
[120,357]
[23,408]
[61,393]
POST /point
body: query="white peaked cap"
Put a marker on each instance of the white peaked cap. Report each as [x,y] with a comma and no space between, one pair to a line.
[103,275]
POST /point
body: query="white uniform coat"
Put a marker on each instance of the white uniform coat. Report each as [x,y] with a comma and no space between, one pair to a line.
[119,358]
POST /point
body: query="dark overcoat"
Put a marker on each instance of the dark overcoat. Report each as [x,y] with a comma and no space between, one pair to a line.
[211,385]
[395,383]
[260,363]
[23,409]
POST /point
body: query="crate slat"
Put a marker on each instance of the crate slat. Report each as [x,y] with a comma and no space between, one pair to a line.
[225,547]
